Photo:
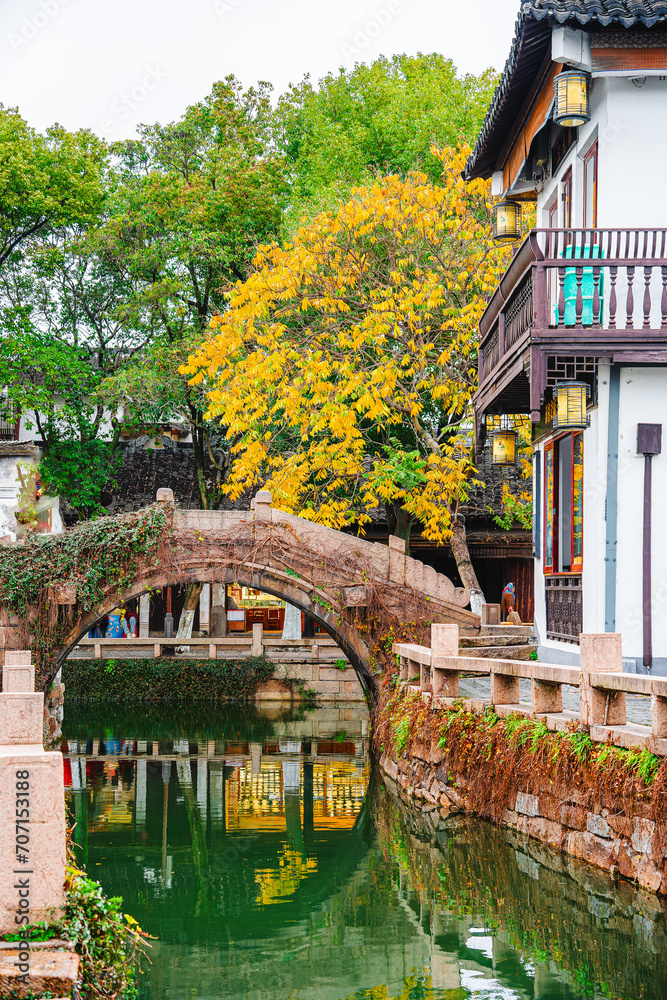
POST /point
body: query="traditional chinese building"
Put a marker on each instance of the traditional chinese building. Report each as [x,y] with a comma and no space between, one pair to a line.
[576,332]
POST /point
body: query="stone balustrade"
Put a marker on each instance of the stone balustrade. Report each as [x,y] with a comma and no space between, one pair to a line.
[435,672]
[32,839]
[233,647]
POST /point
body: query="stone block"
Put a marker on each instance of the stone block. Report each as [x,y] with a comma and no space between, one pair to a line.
[45,868]
[574,817]
[601,651]
[547,697]
[620,824]
[18,658]
[643,831]
[165,495]
[414,574]
[490,614]
[658,716]
[545,830]
[598,825]
[445,683]
[504,690]
[444,640]
[52,972]
[18,674]
[527,804]
[352,687]
[357,597]
[21,718]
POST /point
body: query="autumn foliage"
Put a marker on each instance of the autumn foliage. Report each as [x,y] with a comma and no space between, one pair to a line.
[344,367]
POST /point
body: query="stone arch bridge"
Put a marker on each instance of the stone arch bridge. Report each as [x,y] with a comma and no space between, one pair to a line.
[351,587]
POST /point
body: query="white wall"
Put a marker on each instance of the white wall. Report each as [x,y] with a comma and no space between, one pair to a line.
[629,124]
[643,399]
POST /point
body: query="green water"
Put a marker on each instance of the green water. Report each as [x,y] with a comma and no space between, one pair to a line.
[271,862]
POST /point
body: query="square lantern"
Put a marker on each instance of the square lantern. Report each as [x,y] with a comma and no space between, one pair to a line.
[571,401]
[572,91]
[503,445]
[507,221]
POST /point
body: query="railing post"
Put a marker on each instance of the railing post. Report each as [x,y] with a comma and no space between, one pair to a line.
[504,689]
[547,697]
[601,653]
[444,645]
[257,648]
[658,716]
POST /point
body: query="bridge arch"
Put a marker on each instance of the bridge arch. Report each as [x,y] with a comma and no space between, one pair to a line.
[353,588]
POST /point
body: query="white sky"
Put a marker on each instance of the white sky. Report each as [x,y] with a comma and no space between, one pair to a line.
[109,64]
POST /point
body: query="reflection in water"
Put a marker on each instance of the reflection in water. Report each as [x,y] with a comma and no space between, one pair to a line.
[270,864]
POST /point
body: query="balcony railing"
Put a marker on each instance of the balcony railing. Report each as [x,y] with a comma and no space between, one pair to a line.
[598,288]
[9,429]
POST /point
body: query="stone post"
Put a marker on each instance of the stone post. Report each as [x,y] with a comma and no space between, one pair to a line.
[144,615]
[601,653]
[292,623]
[397,559]
[444,643]
[257,648]
[32,804]
[504,689]
[490,614]
[263,505]
[205,609]
[218,609]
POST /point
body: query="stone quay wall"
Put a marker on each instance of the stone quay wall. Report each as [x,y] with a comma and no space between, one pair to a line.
[620,842]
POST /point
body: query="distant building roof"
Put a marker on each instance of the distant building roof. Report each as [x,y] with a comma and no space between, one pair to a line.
[531,45]
[145,471]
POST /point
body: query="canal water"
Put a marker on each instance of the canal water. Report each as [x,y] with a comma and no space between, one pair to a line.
[270,861]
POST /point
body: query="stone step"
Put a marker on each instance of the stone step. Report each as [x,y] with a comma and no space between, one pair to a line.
[521,652]
[493,640]
[507,630]
[51,970]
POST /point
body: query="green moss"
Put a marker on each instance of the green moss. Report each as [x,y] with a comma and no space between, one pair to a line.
[164,679]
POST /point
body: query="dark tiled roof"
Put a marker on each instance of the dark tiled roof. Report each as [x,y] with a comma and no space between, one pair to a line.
[144,472]
[532,39]
[625,12]
[490,494]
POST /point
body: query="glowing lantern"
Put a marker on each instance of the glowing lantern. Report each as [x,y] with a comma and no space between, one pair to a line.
[572,98]
[504,448]
[571,400]
[507,221]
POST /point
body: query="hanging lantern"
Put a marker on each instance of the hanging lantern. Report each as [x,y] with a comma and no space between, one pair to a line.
[507,221]
[503,445]
[571,400]
[572,98]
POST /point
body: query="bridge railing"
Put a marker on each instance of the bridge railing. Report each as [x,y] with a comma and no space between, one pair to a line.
[232,647]
[436,671]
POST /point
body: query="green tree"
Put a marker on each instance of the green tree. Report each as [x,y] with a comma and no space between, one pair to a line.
[381,118]
[46,181]
[190,203]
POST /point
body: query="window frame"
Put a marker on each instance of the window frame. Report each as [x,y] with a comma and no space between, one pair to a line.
[566,192]
[551,511]
[591,161]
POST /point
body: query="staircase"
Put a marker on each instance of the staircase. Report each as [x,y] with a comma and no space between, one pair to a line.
[505,642]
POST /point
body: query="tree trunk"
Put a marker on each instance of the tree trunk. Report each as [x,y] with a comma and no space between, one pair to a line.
[400,522]
[188,614]
[461,553]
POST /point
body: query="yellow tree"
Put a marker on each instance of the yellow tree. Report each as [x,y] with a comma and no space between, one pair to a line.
[344,366]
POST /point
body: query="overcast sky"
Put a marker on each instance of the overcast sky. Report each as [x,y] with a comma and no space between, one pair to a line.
[109,64]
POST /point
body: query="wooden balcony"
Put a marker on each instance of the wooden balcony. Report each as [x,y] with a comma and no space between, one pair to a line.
[569,299]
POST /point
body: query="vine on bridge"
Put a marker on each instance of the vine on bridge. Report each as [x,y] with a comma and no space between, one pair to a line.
[97,558]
